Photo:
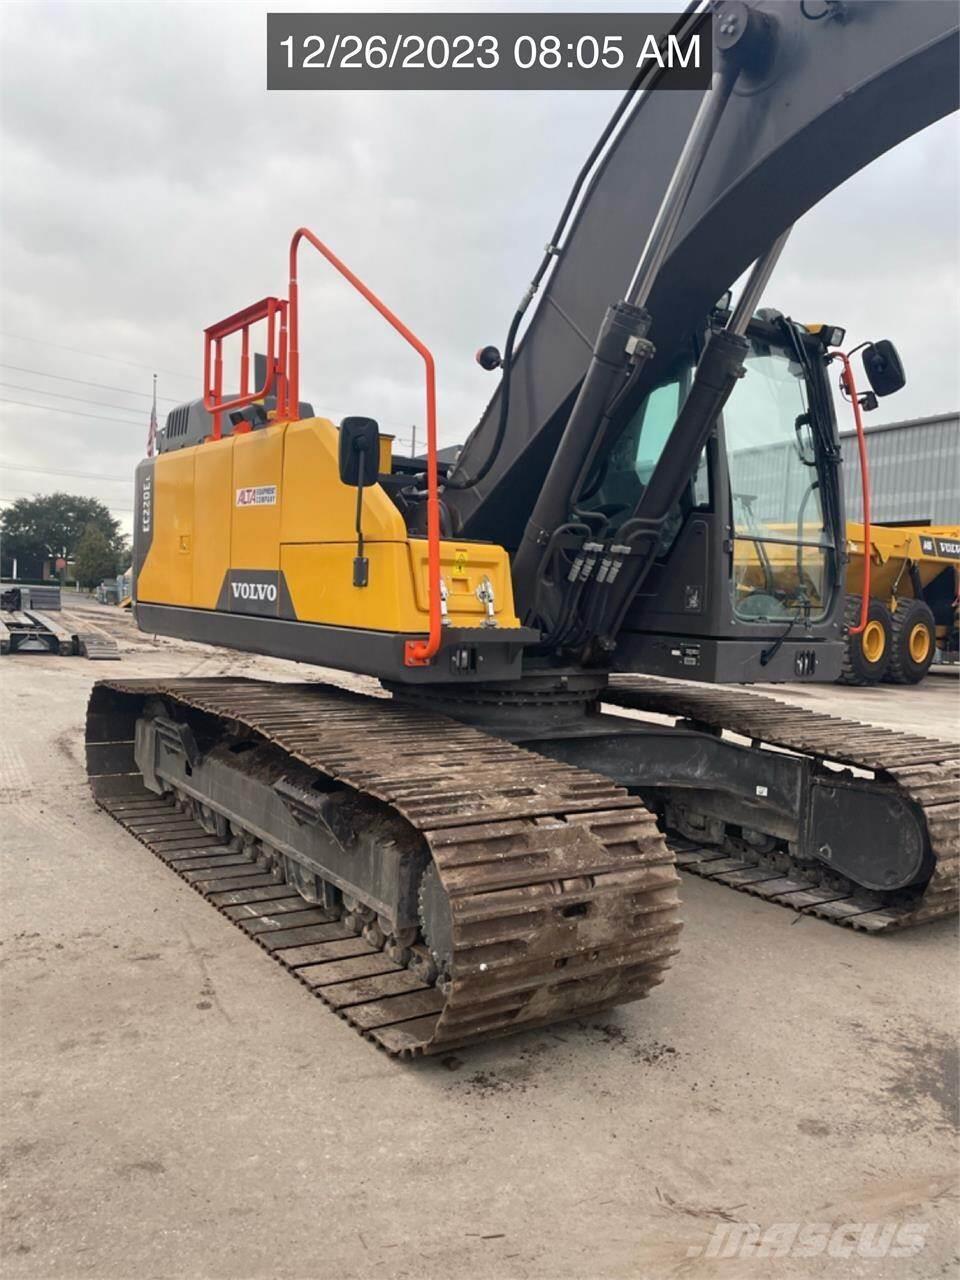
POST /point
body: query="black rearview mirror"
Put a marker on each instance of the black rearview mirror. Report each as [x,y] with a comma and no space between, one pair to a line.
[359,451]
[883,367]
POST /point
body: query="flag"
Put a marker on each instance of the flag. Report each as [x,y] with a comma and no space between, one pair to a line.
[152,431]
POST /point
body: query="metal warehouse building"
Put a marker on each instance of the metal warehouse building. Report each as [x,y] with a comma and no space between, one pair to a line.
[914,470]
[914,473]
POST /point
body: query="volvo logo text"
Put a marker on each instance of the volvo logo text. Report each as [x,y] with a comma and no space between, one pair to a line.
[254,591]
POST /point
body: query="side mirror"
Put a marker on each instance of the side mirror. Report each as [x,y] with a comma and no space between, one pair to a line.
[883,368]
[359,451]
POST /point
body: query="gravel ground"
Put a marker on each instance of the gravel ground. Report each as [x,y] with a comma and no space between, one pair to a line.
[175,1106]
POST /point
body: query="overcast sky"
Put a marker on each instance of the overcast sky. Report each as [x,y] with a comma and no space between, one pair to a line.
[150,185]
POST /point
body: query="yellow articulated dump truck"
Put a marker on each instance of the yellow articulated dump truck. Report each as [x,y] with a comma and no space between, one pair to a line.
[914,583]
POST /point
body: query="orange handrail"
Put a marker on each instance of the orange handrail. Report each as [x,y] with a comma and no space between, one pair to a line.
[848,384]
[417,653]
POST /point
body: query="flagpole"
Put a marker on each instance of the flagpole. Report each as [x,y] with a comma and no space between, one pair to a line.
[152,433]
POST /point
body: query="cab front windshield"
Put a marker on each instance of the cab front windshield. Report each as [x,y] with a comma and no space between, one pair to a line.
[782,553]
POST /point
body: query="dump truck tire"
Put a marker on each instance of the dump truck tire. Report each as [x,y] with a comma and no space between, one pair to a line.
[913,643]
[867,655]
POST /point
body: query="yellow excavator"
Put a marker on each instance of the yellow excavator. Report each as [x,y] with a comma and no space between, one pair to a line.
[483,843]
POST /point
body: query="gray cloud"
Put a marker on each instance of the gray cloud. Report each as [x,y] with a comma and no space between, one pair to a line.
[150,186]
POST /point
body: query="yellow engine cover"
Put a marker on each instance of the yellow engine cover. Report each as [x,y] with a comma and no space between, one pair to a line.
[260,523]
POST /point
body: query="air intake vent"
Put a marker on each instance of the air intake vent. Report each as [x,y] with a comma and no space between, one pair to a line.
[177,422]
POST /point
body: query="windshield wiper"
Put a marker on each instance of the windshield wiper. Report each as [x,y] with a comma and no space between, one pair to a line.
[768,654]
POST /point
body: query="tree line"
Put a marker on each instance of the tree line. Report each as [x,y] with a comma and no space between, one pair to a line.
[67,527]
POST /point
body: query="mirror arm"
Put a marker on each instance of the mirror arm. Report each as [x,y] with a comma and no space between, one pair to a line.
[361,565]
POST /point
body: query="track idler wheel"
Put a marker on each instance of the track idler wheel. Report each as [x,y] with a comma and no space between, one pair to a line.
[436,920]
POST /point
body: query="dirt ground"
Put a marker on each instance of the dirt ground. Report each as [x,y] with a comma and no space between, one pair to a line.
[175,1106]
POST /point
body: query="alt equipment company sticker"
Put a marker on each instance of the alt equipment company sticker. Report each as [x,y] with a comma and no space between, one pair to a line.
[263,495]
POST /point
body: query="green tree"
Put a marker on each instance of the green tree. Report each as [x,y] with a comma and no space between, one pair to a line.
[94,558]
[52,525]
[124,549]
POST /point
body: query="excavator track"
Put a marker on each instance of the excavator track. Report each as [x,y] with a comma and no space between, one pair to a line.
[562,891]
[926,769]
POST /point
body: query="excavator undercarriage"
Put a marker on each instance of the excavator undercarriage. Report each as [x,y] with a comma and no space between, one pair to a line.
[861,822]
[437,885]
[433,885]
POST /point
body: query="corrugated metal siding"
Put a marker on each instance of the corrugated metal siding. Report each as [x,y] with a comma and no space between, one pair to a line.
[775,478]
[914,470]
[914,473]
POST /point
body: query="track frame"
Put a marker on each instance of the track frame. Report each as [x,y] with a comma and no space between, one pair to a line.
[911,772]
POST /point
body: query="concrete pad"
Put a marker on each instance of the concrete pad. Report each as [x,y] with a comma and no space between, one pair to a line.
[175,1106]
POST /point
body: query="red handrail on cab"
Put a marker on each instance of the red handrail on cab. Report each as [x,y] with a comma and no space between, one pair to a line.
[417,653]
[850,387]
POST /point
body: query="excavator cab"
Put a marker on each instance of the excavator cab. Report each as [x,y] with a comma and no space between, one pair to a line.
[749,556]
[753,550]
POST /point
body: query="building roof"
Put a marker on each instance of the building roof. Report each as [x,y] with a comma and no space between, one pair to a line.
[907,424]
